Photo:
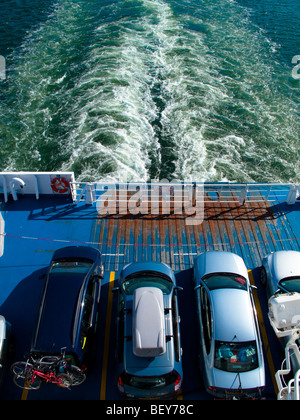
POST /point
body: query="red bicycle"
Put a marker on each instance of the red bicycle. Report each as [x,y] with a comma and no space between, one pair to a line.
[55,369]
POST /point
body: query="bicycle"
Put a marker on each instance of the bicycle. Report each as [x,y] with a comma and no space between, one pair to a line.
[27,377]
[54,369]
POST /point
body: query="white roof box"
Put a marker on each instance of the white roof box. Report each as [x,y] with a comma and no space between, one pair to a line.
[148,323]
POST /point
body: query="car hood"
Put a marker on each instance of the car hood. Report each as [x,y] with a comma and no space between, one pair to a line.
[220,262]
[284,264]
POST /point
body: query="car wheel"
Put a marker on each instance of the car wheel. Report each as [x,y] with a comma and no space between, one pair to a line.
[263,276]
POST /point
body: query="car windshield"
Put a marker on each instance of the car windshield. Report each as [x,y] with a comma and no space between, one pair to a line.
[71,266]
[147,279]
[236,356]
[291,284]
[149,382]
[225,281]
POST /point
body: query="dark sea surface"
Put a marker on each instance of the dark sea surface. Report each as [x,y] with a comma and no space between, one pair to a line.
[152,89]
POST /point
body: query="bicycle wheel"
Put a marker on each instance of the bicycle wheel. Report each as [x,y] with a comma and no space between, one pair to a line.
[78,377]
[21,368]
[65,380]
[23,376]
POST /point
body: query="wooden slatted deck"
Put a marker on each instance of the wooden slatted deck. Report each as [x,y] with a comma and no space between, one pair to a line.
[251,230]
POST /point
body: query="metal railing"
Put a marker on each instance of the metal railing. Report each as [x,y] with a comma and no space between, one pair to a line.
[176,193]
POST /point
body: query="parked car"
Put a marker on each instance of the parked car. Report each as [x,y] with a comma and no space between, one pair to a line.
[280,272]
[68,311]
[5,347]
[148,333]
[231,355]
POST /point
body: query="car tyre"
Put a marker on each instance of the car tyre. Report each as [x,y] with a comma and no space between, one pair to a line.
[263,276]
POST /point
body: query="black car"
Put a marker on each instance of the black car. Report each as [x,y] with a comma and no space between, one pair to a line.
[68,311]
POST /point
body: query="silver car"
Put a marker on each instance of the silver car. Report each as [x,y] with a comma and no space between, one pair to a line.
[6,347]
[231,355]
[281,272]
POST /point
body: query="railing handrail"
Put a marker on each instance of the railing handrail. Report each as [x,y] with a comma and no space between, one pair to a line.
[207,192]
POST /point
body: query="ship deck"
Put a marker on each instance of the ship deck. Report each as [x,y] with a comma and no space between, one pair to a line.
[31,229]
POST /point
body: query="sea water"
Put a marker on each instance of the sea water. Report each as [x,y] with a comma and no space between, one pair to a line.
[203,90]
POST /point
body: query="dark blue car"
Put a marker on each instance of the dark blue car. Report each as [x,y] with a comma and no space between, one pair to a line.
[69,306]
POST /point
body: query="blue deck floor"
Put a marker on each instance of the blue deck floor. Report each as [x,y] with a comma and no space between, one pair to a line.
[35,228]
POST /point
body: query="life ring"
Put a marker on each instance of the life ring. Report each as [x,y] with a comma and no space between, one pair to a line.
[59,185]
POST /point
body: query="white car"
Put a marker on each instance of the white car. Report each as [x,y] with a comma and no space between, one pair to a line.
[280,272]
[5,346]
[231,354]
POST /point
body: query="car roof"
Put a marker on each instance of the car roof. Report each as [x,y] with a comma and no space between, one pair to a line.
[233,315]
[58,309]
[148,329]
[150,366]
[56,322]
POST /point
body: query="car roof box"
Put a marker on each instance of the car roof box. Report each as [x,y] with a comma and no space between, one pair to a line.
[148,324]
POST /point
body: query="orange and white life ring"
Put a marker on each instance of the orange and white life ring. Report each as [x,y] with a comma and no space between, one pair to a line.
[59,185]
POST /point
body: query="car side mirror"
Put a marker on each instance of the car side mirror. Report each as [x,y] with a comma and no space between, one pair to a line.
[102,271]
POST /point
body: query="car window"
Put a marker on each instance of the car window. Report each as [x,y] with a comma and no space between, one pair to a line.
[206,319]
[91,287]
[86,316]
[291,284]
[132,282]
[236,356]
[225,281]
[149,382]
[71,266]
[175,322]
[87,309]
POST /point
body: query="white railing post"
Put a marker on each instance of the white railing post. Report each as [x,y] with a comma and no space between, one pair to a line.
[293,194]
[90,193]
[243,195]
[4,186]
